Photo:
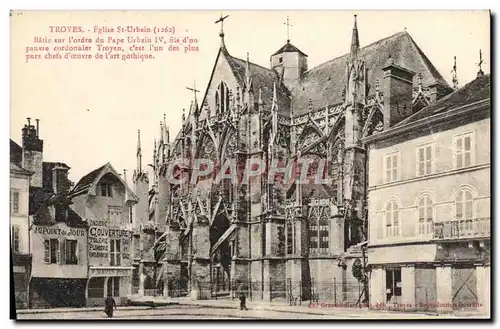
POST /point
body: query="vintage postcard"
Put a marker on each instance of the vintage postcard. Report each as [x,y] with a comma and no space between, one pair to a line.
[250,164]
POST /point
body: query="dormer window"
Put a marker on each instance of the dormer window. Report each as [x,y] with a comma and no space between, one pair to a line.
[106,190]
[281,59]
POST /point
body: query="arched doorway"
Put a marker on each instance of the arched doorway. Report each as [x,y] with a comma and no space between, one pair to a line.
[221,256]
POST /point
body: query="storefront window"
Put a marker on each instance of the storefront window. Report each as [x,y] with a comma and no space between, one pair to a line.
[96,288]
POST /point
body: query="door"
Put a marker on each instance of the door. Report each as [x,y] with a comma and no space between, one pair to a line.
[464,288]
[393,285]
[425,289]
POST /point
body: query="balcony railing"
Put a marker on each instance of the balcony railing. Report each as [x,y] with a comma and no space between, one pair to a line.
[463,228]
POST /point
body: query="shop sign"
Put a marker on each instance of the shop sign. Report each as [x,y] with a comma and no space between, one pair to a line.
[104,272]
[47,230]
[99,239]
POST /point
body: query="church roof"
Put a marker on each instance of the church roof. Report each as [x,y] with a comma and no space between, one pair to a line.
[475,91]
[289,48]
[324,84]
[264,79]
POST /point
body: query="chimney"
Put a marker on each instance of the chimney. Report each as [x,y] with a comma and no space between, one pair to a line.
[438,91]
[397,88]
[32,152]
[60,183]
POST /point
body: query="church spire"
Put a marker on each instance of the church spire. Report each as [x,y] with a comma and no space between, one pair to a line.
[480,73]
[139,151]
[248,79]
[288,25]
[221,33]
[454,73]
[354,41]
[194,105]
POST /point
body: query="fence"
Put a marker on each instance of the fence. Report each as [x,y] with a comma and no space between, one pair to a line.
[293,292]
[153,292]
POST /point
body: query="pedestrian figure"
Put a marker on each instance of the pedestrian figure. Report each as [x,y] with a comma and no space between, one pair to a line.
[242,296]
[109,306]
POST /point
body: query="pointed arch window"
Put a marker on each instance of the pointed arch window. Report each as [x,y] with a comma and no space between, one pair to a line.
[222,98]
[425,215]
[319,230]
[392,219]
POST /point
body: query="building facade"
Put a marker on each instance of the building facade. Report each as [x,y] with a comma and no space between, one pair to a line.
[49,234]
[19,225]
[148,278]
[281,238]
[429,206]
[103,199]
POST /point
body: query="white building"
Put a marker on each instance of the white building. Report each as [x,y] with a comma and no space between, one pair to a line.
[19,225]
[429,206]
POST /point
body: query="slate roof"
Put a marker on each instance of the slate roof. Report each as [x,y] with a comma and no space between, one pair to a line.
[14,167]
[16,153]
[289,48]
[324,83]
[474,91]
[264,79]
[86,181]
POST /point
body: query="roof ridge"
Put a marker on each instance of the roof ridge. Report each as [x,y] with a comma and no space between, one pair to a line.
[427,62]
[442,100]
[244,60]
[361,49]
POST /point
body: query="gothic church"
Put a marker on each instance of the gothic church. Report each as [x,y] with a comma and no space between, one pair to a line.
[279,240]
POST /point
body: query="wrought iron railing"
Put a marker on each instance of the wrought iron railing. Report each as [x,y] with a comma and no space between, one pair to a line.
[463,228]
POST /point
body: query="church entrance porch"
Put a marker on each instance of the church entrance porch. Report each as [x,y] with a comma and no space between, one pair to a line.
[221,255]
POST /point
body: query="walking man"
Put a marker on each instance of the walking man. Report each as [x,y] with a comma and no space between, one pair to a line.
[242,296]
[110,305]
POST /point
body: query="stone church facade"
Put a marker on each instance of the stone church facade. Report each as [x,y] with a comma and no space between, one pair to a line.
[279,238]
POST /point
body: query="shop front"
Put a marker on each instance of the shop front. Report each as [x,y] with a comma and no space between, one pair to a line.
[59,267]
[106,282]
[110,267]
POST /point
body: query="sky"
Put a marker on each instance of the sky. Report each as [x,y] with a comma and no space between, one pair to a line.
[90,111]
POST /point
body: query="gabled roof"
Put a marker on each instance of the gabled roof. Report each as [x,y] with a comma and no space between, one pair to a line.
[324,83]
[88,182]
[264,79]
[474,91]
[289,48]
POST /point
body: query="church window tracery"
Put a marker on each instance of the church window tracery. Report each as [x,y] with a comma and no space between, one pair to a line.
[222,98]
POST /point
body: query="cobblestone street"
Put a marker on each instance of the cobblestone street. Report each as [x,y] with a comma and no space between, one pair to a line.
[224,310]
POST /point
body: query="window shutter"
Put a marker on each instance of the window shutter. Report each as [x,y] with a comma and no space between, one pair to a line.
[46,255]
[77,253]
[64,251]
[58,252]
